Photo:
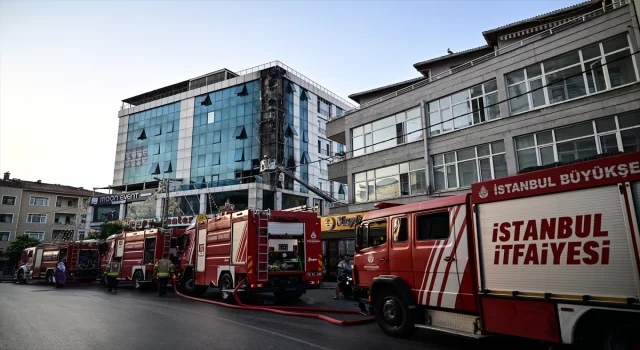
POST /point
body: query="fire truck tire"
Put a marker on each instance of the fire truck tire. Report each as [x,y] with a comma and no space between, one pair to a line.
[188,286]
[226,283]
[21,278]
[137,280]
[49,277]
[392,314]
[621,337]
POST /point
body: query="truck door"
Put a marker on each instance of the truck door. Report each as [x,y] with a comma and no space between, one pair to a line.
[374,257]
[38,258]
[400,260]
[435,272]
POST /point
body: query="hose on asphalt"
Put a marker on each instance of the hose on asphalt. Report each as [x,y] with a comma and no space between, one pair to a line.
[281,309]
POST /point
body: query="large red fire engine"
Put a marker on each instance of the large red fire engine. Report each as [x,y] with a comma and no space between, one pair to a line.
[551,255]
[274,251]
[138,252]
[80,258]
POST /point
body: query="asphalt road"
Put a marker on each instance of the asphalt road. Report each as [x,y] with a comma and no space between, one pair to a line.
[37,316]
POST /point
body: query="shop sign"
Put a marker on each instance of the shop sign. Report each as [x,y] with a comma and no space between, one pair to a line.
[180,220]
[341,222]
[138,223]
[119,198]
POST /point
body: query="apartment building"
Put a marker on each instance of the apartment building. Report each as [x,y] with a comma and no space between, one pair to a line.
[209,135]
[41,210]
[553,88]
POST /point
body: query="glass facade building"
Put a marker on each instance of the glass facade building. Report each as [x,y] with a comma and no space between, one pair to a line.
[152,144]
[225,125]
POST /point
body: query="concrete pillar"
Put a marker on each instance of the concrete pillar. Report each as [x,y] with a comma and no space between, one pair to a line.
[203,203]
[509,147]
[278,197]
[123,211]
[255,198]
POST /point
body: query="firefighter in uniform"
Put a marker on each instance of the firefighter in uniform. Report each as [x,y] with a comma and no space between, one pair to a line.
[163,269]
[113,271]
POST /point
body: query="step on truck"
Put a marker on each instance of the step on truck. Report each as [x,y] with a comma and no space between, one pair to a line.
[277,252]
[550,255]
[39,262]
[138,251]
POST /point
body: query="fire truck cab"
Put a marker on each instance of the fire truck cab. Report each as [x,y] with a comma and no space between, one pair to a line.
[551,255]
[80,258]
[276,252]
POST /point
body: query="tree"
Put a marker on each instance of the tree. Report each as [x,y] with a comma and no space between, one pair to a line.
[107,229]
[18,245]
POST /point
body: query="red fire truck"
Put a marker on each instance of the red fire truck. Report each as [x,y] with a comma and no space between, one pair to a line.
[551,255]
[81,259]
[275,251]
[138,251]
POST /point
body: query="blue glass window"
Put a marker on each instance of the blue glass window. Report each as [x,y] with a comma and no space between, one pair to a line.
[142,135]
[239,156]
[240,133]
[304,95]
[167,168]
[155,169]
[290,88]
[241,90]
[206,101]
[158,130]
[216,159]
[169,127]
[305,136]
[156,149]
[305,159]
[291,130]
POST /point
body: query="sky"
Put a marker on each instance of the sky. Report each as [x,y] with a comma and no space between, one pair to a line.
[65,67]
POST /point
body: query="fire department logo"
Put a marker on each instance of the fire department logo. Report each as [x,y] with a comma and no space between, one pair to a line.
[483,192]
[313,235]
[370,258]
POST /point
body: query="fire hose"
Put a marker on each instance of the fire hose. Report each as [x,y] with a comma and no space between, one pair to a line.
[282,310]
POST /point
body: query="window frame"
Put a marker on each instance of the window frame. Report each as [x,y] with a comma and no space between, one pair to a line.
[10,222]
[8,196]
[30,233]
[396,239]
[469,101]
[8,233]
[582,64]
[429,213]
[32,201]
[444,164]
[595,135]
[368,130]
[38,222]
[397,175]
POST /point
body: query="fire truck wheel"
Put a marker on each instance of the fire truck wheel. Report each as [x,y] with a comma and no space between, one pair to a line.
[226,283]
[21,278]
[392,314]
[621,337]
[49,277]
[137,280]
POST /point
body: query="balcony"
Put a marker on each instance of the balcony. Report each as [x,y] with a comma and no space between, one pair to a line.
[338,171]
[63,235]
[63,202]
[336,130]
[60,219]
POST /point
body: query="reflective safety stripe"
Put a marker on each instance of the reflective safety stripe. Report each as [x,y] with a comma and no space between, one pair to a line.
[163,274]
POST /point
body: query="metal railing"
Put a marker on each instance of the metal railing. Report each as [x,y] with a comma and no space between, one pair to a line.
[569,24]
[255,69]
[296,74]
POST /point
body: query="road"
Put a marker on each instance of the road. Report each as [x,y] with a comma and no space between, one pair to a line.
[90,318]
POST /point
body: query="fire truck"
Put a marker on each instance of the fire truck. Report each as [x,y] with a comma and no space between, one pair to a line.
[81,259]
[276,252]
[138,252]
[552,255]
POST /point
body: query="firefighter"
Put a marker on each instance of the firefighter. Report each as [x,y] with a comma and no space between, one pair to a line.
[163,269]
[113,271]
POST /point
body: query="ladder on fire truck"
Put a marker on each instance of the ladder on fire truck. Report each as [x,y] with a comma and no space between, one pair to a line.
[263,244]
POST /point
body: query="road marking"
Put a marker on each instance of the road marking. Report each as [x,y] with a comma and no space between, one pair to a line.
[253,327]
